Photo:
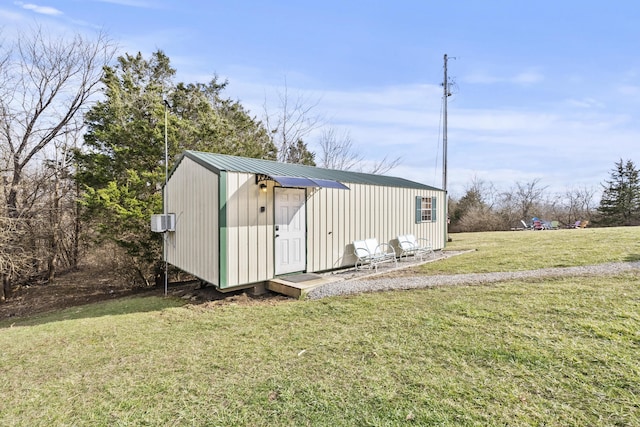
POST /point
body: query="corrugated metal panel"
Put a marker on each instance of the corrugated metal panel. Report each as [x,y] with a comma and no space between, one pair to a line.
[223,162]
[192,194]
[249,231]
[337,218]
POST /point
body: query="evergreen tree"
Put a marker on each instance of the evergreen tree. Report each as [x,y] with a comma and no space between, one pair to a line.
[299,153]
[122,165]
[201,119]
[471,200]
[620,203]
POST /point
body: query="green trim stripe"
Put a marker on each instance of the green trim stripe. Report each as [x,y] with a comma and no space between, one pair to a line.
[434,209]
[223,259]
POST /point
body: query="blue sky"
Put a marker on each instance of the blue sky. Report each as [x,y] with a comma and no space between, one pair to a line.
[545,90]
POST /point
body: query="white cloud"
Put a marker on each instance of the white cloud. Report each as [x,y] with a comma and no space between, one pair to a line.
[527,77]
[494,120]
[480,77]
[629,90]
[143,4]
[6,15]
[44,10]
[584,103]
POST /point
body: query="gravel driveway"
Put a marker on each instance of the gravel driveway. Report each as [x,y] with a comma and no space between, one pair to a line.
[385,283]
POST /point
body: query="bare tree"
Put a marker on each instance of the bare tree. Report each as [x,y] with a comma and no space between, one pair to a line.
[480,218]
[383,166]
[49,80]
[337,151]
[577,204]
[13,260]
[46,82]
[293,121]
[520,202]
[527,196]
[587,201]
[63,213]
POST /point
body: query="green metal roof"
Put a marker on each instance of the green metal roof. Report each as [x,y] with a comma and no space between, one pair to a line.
[222,162]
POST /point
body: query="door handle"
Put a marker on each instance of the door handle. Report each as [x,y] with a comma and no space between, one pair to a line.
[277,235]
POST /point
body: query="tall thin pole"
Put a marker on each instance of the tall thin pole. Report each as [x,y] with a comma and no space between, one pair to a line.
[164,199]
[445,85]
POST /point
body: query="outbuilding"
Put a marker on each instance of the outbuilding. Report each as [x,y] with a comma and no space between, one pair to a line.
[241,222]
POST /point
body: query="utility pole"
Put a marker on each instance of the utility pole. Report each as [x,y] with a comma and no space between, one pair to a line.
[446,94]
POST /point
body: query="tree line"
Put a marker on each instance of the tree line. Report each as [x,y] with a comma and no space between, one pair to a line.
[483,208]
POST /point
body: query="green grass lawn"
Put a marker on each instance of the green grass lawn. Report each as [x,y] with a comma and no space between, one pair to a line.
[529,250]
[560,352]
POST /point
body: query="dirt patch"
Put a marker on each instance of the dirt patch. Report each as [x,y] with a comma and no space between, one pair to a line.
[92,285]
[209,297]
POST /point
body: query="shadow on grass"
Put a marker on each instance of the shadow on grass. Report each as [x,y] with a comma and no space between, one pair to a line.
[115,307]
[632,258]
[180,294]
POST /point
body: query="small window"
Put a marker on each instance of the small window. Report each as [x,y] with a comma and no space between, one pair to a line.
[425,209]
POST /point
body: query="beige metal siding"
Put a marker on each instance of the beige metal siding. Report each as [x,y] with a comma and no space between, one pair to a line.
[338,217]
[192,194]
[249,245]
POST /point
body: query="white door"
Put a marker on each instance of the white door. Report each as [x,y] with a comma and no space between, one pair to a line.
[290,230]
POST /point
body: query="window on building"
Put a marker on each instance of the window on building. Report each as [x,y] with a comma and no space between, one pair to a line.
[425,209]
